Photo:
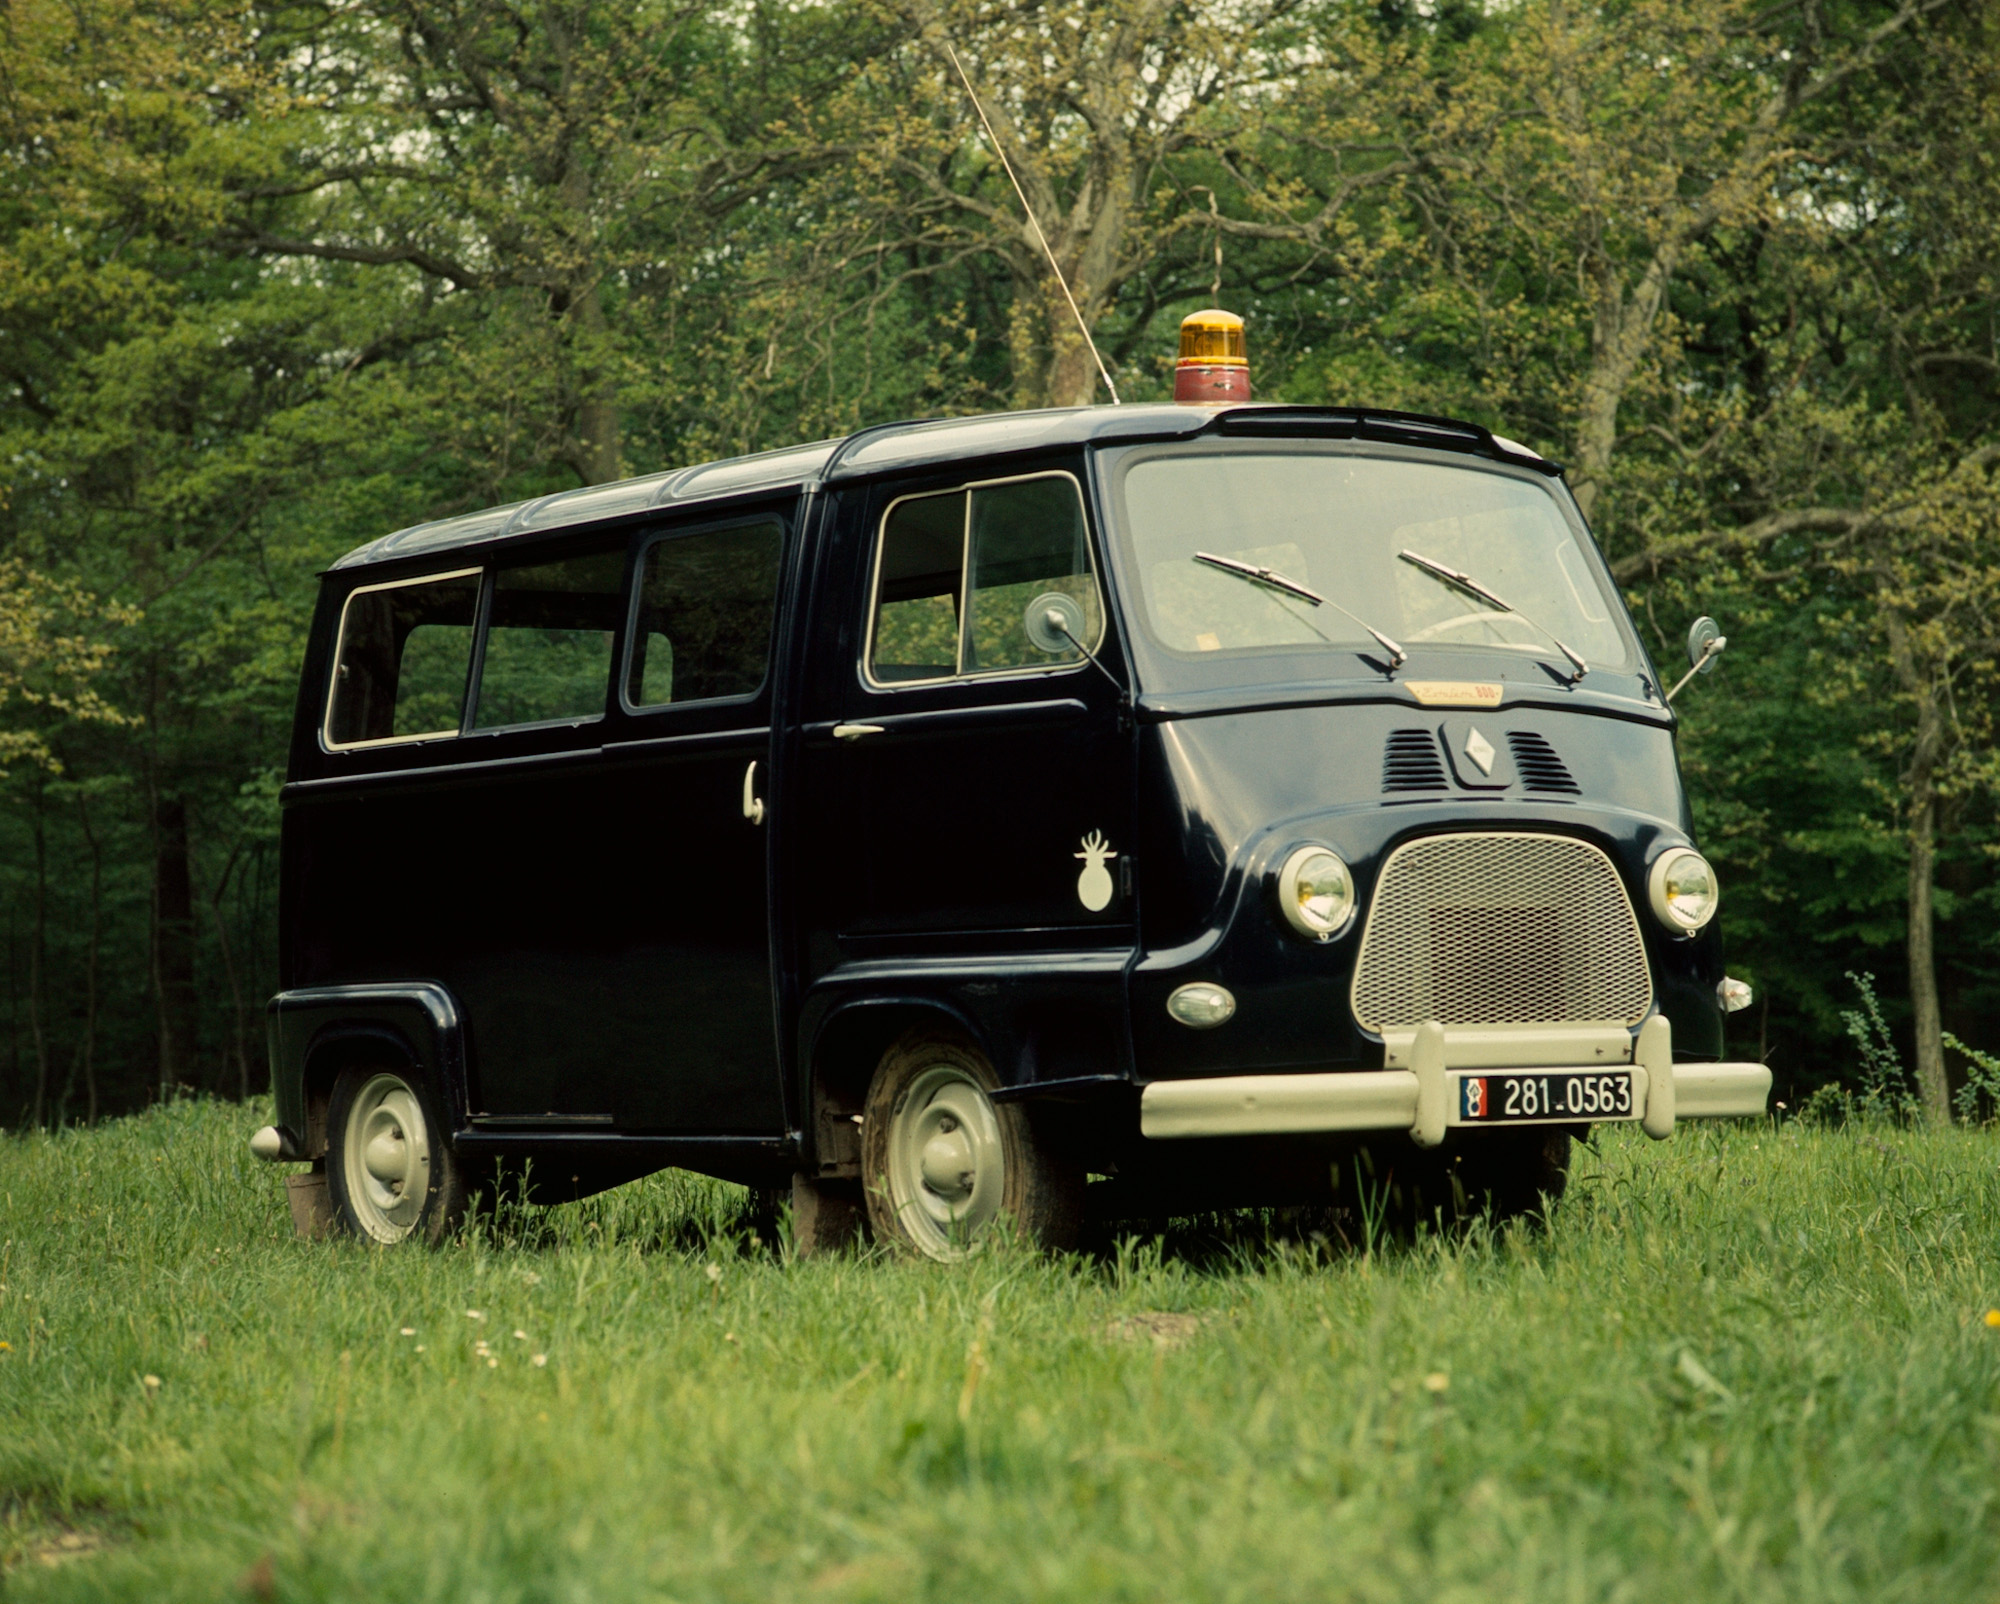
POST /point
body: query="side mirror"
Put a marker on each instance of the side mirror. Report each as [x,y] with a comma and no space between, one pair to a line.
[1054,623]
[1706,643]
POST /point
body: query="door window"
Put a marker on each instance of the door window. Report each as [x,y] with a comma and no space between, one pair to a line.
[403,658]
[706,604]
[963,582]
[549,641]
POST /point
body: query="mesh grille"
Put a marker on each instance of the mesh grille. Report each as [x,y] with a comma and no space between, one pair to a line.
[1539,767]
[1410,762]
[1500,930]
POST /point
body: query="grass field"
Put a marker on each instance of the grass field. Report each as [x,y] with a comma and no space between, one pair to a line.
[1747,1364]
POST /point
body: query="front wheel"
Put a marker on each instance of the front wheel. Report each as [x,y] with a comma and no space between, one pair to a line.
[942,1161]
[390,1172]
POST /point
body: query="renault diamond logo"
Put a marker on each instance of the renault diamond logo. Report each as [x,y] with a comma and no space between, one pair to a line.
[1480,750]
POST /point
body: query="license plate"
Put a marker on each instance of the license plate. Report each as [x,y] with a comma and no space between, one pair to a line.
[1547,1095]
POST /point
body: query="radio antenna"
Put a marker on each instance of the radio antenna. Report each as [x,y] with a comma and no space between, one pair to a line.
[1042,239]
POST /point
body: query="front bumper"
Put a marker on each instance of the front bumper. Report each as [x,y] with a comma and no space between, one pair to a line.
[1422,1098]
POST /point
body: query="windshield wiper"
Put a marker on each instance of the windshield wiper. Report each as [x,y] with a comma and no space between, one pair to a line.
[1291,587]
[1472,587]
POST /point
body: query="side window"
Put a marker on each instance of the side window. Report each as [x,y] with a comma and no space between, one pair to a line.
[957,576]
[548,641]
[404,654]
[707,600]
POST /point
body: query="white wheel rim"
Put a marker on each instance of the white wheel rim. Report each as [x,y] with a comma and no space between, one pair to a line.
[946,1162]
[386,1158]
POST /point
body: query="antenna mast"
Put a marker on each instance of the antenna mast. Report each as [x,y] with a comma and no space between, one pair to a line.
[1041,238]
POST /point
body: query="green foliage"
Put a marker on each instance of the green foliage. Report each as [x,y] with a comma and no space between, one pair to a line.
[1982,1083]
[1884,1085]
[1746,1363]
[274,281]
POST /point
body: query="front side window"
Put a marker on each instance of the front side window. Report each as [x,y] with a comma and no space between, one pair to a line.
[549,640]
[707,600]
[403,658]
[963,582]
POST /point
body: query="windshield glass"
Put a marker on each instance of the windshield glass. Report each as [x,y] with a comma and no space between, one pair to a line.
[1335,524]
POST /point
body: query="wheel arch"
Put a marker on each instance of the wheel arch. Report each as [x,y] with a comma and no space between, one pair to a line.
[846,1045]
[317,1033]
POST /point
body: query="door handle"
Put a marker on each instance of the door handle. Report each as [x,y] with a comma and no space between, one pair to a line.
[854,732]
[753,804]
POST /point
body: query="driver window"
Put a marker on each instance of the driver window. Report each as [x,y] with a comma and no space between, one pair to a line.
[964,582]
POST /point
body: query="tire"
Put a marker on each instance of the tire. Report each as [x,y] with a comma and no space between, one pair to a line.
[1513,1174]
[942,1162]
[390,1172]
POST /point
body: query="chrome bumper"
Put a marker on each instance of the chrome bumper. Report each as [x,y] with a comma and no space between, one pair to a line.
[1422,1099]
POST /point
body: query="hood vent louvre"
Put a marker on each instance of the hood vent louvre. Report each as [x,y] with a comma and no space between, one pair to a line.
[1539,767]
[1410,762]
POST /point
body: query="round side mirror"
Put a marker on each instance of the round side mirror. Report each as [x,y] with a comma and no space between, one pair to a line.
[1054,623]
[1700,653]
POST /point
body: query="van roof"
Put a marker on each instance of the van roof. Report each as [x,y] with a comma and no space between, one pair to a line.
[900,447]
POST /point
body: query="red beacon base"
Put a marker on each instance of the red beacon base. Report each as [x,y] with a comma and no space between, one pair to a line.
[1212,384]
[1213,369]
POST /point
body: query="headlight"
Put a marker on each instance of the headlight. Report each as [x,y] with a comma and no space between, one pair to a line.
[1316,893]
[1682,889]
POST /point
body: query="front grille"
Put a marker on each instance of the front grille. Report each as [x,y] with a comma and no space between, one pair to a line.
[1539,767]
[1410,762]
[1498,929]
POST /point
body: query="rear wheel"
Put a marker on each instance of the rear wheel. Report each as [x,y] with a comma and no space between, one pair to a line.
[942,1162]
[390,1171]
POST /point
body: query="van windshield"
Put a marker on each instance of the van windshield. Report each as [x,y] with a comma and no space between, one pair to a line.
[1336,525]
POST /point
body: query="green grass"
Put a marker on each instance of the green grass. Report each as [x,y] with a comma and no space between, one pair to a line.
[1746,1364]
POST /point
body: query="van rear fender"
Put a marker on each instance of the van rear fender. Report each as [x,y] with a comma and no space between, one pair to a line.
[316,1032]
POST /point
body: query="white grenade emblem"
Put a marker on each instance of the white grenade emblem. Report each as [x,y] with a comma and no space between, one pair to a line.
[1093,886]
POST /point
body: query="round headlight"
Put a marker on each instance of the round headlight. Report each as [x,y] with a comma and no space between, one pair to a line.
[1683,890]
[1316,893]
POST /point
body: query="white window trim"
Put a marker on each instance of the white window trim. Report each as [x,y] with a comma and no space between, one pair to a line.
[340,646]
[958,672]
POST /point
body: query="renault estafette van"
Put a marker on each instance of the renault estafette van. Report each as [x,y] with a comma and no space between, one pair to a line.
[932,820]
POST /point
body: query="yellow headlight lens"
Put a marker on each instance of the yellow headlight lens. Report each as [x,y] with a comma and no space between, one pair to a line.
[1316,893]
[1683,890]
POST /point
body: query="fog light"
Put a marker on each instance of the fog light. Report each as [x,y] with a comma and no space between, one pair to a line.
[1202,1005]
[1734,995]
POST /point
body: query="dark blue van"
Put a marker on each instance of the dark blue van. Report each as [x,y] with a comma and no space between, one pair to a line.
[1158,802]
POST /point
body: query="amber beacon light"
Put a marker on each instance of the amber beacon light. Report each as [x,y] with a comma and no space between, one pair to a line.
[1212,366]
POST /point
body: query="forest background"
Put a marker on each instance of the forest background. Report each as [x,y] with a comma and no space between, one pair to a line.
[278,278]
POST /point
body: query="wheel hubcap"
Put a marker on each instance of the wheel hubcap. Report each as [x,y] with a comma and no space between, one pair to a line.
[386,1158]
[946,1162]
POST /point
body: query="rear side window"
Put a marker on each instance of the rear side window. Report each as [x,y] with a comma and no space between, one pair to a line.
[549,638]
[403,660]
[964,581]
[707,600]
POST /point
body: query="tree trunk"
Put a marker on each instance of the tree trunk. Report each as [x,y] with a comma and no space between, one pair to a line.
[1931,1086]
[229,970]
[1920,779]
[38,964]
[173,944]
[90,961]
[598,454]
[1621,334]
